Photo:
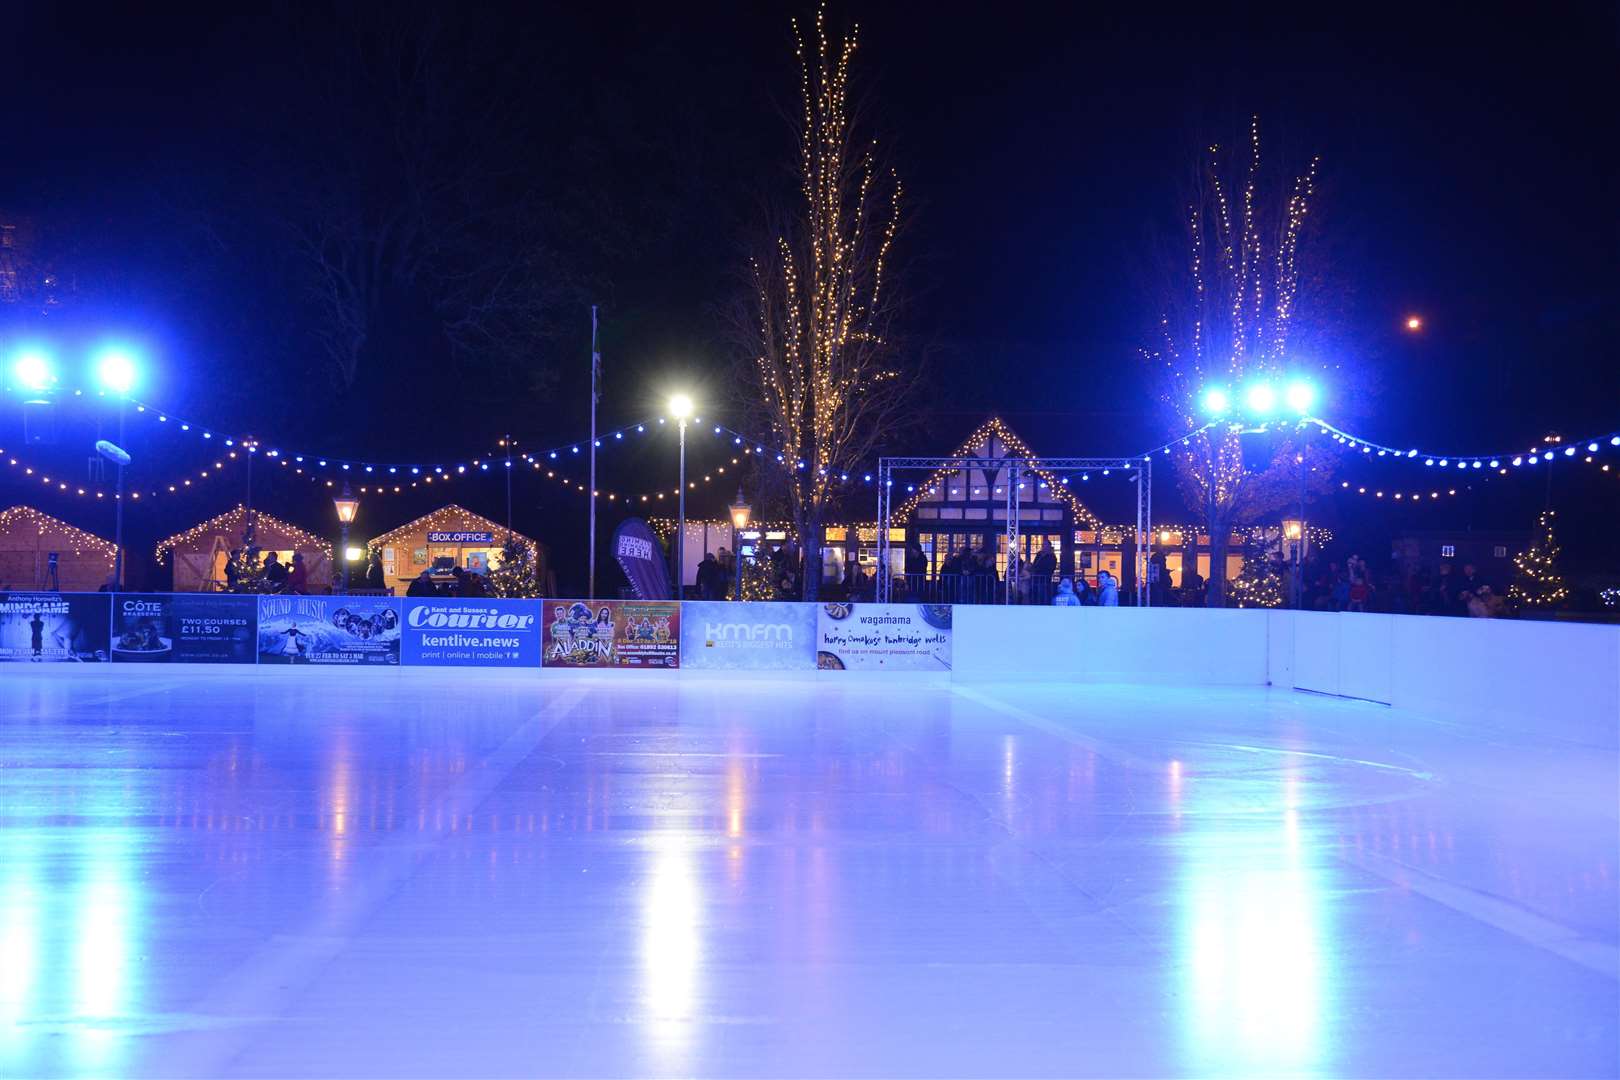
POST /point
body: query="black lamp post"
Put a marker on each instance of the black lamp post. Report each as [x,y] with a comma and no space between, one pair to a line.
[347,506]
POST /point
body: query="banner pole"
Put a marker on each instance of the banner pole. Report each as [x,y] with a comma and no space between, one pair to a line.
[596,395]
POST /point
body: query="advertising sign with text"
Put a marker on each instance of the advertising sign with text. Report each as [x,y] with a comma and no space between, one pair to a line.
[893,637]
[44,627]
[185,628]
[453,632]
[328,630]
[613,634]
[748,636]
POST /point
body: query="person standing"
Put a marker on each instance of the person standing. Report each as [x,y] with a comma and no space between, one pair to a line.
[374,573]
[1065,595]
[1042,569]
[1108,590]
[274,572]
[298,576]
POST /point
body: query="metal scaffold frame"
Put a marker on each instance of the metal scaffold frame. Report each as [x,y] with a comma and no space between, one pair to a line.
[1141,469]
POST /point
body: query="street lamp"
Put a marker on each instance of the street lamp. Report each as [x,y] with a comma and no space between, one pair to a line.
[680,407]
[118,456]
[346,506]
[740,511]
[33,370]
[115,370]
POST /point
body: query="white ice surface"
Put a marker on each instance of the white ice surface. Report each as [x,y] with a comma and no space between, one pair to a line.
[301,873]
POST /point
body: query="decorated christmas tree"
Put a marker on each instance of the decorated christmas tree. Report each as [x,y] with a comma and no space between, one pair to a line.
[1260,584]
[515,575]
[1538,583]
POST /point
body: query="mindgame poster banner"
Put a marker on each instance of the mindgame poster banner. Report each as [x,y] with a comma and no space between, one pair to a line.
[892,637]
[184,628]
[329,630]
[613,634]
[42,627]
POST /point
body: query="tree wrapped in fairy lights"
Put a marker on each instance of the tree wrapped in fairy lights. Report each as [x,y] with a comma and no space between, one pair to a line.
[1260,583]
[817,323]
[1230,315]
[1537,581]
[516,576]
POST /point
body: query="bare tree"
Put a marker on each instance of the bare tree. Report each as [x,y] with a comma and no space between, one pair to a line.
[818,325]
[1231,313]
[407,196]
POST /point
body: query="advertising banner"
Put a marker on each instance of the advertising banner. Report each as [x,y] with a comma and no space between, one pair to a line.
[641,557]
[613,634]
[328,630]
[748,637]
[186,628]
[458,632]
[894,637]
[42,627]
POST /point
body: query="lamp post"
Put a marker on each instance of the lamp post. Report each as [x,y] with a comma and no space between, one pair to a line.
[347,506]
[115,370]
[740,511]
[120,457]
[680,406]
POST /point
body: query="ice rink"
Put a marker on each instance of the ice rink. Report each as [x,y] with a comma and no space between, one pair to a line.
[452,872]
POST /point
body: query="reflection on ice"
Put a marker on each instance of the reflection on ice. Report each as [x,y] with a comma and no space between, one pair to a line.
[1255,932]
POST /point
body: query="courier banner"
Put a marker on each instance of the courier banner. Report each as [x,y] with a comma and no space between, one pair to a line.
[186,628]
[42,627]
[893,637]
[748,637]
[328,630]
[613,634]
[461,632]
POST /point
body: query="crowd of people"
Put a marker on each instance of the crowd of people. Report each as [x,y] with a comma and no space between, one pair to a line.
[250,570]
[1443,590]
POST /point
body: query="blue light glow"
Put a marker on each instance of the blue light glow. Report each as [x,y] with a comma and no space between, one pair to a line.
[1261,398]
[116,370]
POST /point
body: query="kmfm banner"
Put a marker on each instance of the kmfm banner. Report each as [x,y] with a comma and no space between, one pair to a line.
[893,637]
[459,632]
[748,636]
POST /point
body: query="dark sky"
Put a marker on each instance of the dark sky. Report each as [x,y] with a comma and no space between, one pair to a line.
[1468,164]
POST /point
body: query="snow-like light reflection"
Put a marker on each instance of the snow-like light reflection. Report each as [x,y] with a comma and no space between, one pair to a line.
[1255,938]
[671,950]
[21,917]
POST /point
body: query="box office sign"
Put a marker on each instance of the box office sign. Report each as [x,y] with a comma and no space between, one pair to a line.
[452,632]
[474,537]
[613,634]
[328,630]
[42,627]
[748,637]
[892,637]
[188,628]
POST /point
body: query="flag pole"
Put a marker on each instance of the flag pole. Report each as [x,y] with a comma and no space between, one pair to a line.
[596,395]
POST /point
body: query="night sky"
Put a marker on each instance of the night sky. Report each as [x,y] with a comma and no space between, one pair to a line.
[1469,176]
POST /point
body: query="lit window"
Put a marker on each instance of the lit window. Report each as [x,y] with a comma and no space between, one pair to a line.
[1448,551]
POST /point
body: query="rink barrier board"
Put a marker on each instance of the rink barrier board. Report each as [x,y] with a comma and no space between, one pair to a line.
[1551,676]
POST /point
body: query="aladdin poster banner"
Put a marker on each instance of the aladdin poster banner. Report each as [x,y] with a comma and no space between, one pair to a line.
[328,630]
[42,627]
[641,557]
[185,628]
[613,634]
[892,637]
[461,632]
[767,636]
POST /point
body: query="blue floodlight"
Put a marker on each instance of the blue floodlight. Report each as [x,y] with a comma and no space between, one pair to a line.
[33,370]
[1261,398]
[1300,396]
[1215,401]
[115,369]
